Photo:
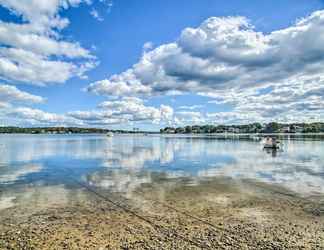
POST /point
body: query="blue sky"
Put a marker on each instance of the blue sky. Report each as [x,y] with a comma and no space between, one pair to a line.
[188,71]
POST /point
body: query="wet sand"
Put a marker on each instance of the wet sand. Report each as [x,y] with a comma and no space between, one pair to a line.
[170,214]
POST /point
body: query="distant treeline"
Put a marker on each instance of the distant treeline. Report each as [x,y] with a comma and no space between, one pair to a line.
[272,127]
[60,130]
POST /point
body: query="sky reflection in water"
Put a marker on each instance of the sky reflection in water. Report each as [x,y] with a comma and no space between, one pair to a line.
[123,163]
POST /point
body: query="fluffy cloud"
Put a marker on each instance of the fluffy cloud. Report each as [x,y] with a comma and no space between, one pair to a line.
[107,5]
[189,118]
[95,14]
[12,94]
[192,107]
[124,84]
[123,111]
[39,10]
[38,117]
[127,109]
[4,105]
[33,51]
[148,46]
[271,75]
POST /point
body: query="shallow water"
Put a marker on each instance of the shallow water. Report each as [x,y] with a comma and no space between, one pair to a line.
[42,169]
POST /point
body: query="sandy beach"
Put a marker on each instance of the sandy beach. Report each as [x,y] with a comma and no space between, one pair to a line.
[216,214]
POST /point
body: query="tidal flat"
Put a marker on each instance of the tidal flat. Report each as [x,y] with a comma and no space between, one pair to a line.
[127,192]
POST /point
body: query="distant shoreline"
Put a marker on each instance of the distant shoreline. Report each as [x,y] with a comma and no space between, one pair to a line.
[271,128]
[175,134]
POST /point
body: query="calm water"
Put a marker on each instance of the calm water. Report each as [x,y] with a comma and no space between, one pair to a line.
[41,168]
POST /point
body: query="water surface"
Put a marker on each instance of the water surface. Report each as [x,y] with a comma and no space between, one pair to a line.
[42,169]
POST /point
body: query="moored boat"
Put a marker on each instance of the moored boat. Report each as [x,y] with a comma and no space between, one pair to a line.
[271,143]
[110,134]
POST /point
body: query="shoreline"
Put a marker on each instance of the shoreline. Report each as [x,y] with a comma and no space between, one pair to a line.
[219,214]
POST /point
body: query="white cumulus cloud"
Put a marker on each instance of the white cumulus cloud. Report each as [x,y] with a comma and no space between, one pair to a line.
[26,115]
[127,109]
[34,51]
[277,75]
[12,94]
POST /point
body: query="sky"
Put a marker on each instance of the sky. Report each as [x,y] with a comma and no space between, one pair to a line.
[150,64]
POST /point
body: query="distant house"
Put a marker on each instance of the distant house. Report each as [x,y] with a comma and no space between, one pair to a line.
[180,130]
[263,127]
[286,129]
[299,129]
[233,130]
[296,129]
[170,130]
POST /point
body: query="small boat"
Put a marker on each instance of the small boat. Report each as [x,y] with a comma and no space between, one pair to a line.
[271,143]
[110,134]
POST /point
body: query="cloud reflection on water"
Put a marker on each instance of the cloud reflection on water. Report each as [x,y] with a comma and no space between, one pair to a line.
[123,163]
